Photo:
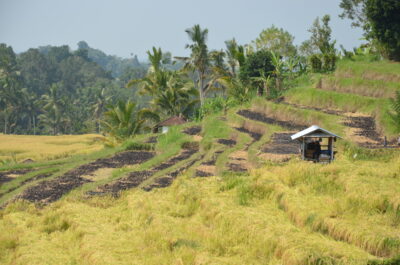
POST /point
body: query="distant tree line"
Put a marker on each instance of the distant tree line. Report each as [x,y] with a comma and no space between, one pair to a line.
[54,90]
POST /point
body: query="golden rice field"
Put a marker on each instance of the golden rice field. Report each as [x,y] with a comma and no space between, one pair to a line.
[301,213]
[21,147]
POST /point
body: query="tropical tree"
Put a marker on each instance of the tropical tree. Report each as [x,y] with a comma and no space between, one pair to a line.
[178,99]
[384,22]
[122,121]
[321,35]
[264,79]
[199,59]
[53,106]
[99,106]
[256,64]
[277,40]
[279,69]
[171,91]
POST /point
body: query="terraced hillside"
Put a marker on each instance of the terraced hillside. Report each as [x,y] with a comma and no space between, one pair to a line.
[230,189]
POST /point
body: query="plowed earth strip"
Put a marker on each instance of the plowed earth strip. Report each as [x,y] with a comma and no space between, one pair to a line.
[7,176]
[37,177]
[365,125]
[256,116]
[52,190]
[167,180]
[135,178]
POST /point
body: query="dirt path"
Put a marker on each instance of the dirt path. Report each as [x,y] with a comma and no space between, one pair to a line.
[51,190]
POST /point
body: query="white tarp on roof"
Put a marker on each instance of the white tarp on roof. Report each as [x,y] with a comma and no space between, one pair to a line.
[311,130]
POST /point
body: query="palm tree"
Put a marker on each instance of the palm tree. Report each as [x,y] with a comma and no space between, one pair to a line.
[121,121]
[199,58]
[178,99]
[53,106]
[171,90]
[99,106]
[232,52]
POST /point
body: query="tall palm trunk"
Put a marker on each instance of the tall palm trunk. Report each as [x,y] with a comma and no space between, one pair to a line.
[201,88]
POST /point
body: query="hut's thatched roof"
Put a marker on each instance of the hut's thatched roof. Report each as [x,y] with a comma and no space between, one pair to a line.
[174,120]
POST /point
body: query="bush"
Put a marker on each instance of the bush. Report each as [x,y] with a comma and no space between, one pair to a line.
[131,145]
[212,106]
[316,63]
[395,104]
[329,62]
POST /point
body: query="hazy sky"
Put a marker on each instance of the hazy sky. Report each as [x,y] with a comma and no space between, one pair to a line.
[122,27]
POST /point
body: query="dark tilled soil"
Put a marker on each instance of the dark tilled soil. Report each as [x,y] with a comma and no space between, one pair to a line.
[194,130]
[254,135]
[200,173]
[4,176]
[236,167]
[166,181]
[327,111]
[38,177]
[227,142]
[367,126]
[52,190]
[256,116]
[282,144]
[183,156]
[135,178]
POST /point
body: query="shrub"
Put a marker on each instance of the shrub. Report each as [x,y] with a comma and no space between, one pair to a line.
[131,145]
[316,63]
[329,62]
[395,103]
[212,106]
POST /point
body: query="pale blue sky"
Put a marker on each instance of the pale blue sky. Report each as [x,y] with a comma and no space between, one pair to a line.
[122,27]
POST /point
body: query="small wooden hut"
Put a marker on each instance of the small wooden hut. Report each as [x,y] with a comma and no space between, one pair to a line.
[163,126]
[316,144]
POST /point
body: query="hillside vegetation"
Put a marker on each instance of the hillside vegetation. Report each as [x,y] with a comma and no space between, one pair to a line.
[230,189]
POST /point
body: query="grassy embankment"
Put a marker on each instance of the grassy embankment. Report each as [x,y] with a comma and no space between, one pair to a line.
[363,87]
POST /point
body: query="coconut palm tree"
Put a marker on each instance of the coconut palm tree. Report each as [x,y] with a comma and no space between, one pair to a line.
[199,58]
[121,121]
[53,109]
[232,52]
[98,107]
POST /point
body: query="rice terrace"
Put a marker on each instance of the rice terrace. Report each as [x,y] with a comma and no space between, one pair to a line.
[265,152]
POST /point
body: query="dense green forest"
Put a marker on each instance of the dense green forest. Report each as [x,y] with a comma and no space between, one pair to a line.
[57,90]
[51,90]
